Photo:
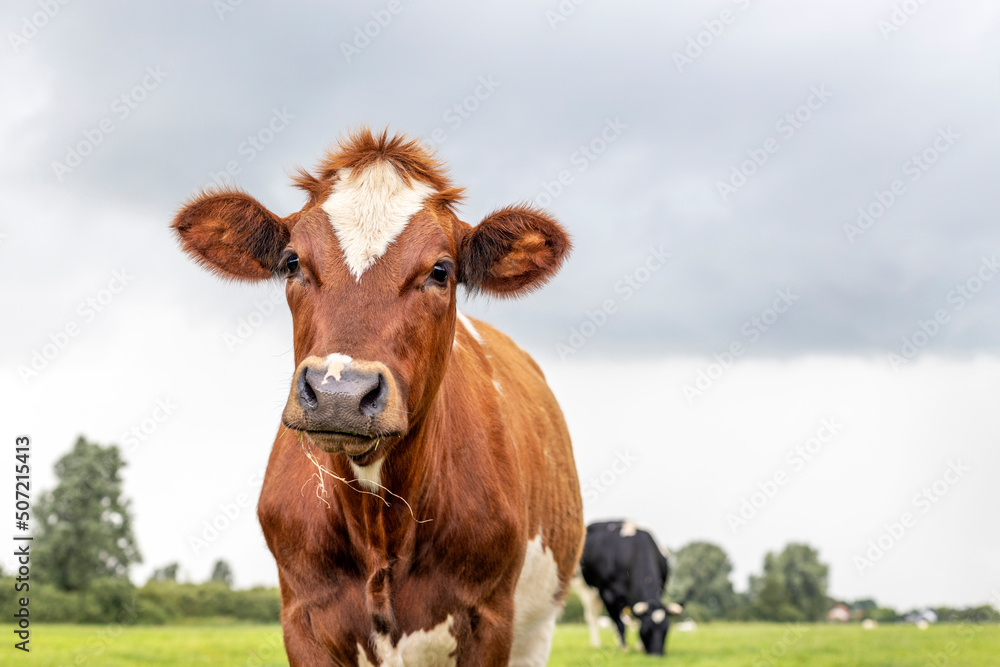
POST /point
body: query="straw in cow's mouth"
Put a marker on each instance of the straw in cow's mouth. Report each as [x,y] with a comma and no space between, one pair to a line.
[321,491]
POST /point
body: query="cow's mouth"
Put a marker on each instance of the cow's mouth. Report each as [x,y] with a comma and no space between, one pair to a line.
[335,442]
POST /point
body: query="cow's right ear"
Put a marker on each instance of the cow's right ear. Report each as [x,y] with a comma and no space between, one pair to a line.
[232,234]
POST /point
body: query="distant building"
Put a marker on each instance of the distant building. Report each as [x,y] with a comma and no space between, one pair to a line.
[839,614]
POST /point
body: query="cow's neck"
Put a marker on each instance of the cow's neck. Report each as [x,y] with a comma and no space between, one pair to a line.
[403,478]
[385,525]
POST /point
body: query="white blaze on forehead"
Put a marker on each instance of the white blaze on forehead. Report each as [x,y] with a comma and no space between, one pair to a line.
[535,606]
[369,209]
[628,529]
[469,326]
[435,646]
[658,616]
[335,365]
[369,476]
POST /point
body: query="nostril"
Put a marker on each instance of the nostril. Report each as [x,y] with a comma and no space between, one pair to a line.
[373,402]
[307,395]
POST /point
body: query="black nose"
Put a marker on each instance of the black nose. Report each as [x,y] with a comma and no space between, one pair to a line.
[347,403]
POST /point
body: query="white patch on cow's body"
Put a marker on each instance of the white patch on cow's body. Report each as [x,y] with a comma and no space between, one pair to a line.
[369,209]
[535,606]
[628,529]
[592,606]
[435,646]
[335,365]
[658,616]
[470,327]
[369,476]
[496,385]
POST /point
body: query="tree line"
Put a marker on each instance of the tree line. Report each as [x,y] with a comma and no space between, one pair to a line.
[792,588]
[84,546]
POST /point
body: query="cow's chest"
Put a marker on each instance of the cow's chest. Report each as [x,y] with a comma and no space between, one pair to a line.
[394,608]
[430,596]
[434,618]
[422,620]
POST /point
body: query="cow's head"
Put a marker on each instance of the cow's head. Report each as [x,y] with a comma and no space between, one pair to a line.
[371,266]
[654,622]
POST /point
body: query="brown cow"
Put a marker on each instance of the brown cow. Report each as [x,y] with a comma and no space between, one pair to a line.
[421,500]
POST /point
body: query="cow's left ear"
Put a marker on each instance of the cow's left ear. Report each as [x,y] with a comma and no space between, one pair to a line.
[512,251]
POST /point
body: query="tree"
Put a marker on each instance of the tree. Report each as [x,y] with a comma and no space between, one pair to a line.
[864,606]
[222,573]
[884,615]
[700,580]
[793,586]
[770,599]
[84,526]
[166,573]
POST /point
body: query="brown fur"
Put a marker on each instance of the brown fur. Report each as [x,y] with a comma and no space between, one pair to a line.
[232,234]
[482,471]
[513,250]
[361,148]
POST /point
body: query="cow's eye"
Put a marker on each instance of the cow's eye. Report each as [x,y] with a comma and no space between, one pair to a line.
[291,264]
[440,272]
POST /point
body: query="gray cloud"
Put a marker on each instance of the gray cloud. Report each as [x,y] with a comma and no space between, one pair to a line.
[656,184]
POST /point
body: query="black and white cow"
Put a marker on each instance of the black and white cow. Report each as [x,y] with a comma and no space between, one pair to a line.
[623,567]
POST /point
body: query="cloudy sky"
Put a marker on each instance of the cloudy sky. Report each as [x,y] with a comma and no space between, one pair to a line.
[784,217]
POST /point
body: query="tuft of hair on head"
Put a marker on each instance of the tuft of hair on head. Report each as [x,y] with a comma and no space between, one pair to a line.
[311,185]
[361,148]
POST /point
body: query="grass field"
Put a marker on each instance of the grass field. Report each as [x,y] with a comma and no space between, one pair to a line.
[719,644]
[761,645]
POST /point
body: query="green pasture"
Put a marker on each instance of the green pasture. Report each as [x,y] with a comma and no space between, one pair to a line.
[721,644]
[767,644]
